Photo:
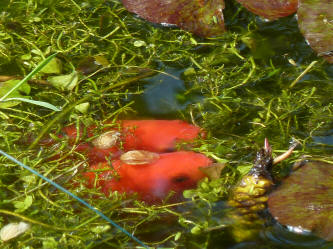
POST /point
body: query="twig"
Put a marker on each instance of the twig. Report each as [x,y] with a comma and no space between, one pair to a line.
[302,74]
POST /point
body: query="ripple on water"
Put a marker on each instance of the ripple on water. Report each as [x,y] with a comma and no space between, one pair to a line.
[291,238]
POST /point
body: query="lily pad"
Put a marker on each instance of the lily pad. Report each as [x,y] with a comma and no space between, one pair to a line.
[204,18]
[270,9]
[315,20]
[304,202]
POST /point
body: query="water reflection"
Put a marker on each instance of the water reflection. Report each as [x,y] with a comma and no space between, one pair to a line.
[282,237]
[324,139]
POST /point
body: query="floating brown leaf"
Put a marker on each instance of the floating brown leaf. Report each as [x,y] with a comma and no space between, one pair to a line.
[315,20]
[304,200]
[204,18]
[271,9]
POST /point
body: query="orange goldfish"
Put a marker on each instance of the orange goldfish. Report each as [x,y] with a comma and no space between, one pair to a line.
[151,135]
[152,180]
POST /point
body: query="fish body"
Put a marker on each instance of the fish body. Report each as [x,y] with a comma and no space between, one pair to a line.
[157,135]
[139,156]
[151,135]
[175,171]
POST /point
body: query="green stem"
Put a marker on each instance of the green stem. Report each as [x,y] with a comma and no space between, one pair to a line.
[22,217]
[84,99]
[29,76]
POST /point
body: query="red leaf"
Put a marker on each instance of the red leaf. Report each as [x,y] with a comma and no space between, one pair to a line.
[315,20]
[271,9]
[202,17]
[304,199]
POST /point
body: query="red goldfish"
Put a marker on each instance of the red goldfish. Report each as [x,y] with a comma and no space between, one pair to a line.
[151,135]
[152,179]
[133,156]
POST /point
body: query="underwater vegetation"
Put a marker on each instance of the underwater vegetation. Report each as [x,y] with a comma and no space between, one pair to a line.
[104,67]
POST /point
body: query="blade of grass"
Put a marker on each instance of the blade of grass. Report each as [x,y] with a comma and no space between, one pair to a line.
[35,102]
[29,76]
[75,197]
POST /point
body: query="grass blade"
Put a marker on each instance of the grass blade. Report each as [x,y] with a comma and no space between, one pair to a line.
[35,102]
[29,76]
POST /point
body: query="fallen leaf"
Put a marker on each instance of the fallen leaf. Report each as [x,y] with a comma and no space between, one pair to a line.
[204,18]
[315,20]
[270,9]
[304,200]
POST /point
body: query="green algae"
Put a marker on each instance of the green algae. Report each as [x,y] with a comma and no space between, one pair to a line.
[243,78]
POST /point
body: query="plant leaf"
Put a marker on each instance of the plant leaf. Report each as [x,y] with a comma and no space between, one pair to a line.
[54,66]
[270,9]
[204,18]
[304,200]
[23,205]
[6,86]
[29,76]
[35,102]
[64,82]
[315,20]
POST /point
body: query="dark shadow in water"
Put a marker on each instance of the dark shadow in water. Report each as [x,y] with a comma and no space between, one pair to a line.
[164,95]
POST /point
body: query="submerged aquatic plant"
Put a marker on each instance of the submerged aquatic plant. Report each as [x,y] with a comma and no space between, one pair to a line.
[15,85]
[73,196]
[236,85]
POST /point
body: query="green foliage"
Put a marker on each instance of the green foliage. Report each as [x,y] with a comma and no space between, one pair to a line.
[12,89]
[6,86]
[238,93]
[21,206]
[64,82]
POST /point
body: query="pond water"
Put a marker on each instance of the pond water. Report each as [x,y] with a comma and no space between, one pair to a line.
[236,86]
[164,95]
